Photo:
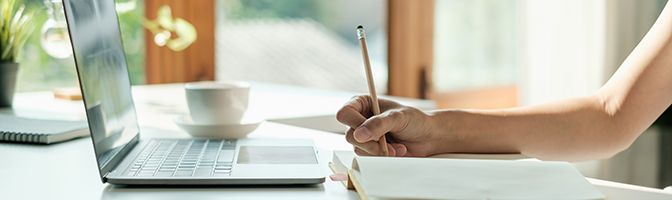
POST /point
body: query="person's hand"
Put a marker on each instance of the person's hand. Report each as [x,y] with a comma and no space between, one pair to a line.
[408,129]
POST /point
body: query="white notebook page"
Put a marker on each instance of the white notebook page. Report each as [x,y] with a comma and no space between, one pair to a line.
[431,178]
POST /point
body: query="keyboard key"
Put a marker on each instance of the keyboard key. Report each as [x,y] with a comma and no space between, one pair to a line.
[222,168]
[186,167]
[202,172]
[226,156]
[149,168]
[164,174]
[145,174]
[163,158]
[223,165]
[205,167]
[183,173]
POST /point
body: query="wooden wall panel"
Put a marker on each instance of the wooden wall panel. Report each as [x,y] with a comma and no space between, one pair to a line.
[410,48]
[197,62]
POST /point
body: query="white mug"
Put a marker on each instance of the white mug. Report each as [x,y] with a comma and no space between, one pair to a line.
[217,102]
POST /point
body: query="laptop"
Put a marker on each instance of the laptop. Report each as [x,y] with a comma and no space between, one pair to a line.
[123,157]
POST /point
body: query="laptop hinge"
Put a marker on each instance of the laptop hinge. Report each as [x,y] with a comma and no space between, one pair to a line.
[119,156]
[105,177]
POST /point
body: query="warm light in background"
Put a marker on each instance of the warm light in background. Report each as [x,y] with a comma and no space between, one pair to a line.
[55,38]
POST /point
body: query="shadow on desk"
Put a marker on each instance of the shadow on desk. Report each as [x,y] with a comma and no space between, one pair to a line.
[112,192]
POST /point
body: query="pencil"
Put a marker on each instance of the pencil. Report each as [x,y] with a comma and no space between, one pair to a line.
[382,141]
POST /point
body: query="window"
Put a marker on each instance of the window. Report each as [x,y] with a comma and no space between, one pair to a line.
[475,43]
[52,66]
[300,42]
[475,51]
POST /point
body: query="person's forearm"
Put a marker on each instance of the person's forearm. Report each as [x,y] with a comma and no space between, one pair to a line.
[576,129]
[592,127]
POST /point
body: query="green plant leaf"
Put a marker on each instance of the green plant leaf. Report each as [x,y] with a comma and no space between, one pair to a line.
[151,26]
[15,29]
[186,35]
[164,17]
[18,14]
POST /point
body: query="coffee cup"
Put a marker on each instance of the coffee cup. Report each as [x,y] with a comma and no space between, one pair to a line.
[217,102]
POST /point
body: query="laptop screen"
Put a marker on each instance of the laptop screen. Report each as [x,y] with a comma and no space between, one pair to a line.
[103,75]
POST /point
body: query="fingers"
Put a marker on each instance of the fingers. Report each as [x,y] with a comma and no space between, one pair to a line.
[363,152]
[372,148]
[355,111]
[364,133]
[377,126]
[400,149]
[350,115]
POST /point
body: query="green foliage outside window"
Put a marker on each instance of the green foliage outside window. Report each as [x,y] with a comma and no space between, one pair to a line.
[39,71]
[321,11]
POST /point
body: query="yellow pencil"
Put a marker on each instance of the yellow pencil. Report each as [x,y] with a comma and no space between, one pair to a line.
[382,141]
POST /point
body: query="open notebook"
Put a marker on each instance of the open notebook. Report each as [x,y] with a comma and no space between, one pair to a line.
[441,178]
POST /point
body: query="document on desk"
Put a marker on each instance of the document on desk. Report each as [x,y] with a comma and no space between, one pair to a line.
[434,178]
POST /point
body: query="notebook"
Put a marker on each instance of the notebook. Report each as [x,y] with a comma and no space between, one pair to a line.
[340,163]
[442,178]
[40,131]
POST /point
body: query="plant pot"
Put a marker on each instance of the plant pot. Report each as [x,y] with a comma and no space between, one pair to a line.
[8,74]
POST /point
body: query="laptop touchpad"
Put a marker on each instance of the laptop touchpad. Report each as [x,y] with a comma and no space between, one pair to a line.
[277,155]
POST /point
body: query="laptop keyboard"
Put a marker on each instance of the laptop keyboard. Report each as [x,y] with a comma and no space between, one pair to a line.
[184,158]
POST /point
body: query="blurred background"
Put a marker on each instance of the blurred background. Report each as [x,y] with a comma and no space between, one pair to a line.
[460,53]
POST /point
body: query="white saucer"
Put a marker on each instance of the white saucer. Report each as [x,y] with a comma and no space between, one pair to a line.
[225,131]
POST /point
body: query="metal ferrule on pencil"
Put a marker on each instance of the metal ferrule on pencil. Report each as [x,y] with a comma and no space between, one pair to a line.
[360,33]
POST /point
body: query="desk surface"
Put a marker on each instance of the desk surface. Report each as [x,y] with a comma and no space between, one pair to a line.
[68,170]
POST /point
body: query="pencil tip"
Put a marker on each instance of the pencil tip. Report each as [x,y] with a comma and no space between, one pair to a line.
[360,26]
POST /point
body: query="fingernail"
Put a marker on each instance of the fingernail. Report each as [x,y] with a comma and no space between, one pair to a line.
[362,134]
[400,149]
[391,150]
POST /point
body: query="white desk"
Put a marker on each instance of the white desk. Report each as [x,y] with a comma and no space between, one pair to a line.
[68,170]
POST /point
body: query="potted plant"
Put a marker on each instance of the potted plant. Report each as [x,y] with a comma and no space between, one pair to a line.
[15,28]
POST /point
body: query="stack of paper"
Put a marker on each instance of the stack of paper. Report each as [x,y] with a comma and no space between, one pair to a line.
[440,178]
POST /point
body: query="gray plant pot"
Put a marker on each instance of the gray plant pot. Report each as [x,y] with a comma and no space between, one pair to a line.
[8,74]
